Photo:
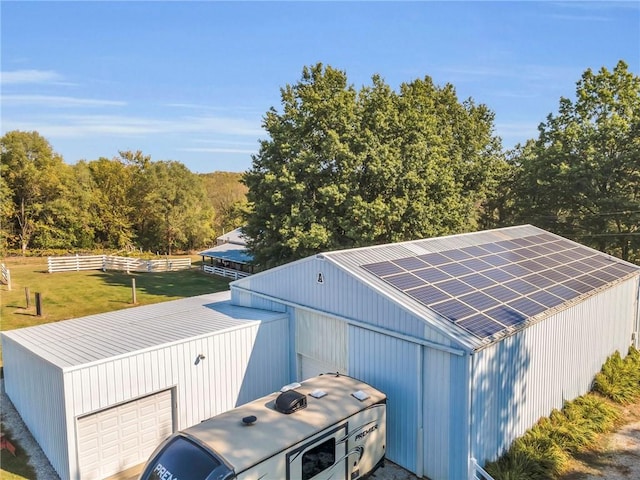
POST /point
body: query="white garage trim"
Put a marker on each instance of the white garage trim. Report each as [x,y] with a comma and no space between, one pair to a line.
[122,436]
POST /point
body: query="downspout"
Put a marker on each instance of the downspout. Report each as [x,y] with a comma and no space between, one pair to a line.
[420,432]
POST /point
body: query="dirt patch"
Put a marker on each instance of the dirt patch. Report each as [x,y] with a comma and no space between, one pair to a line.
[616,456]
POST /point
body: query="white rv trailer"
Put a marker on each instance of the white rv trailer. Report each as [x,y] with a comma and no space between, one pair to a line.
[330,426]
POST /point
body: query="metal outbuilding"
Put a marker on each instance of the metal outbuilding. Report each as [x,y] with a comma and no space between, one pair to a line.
[473,337]
[99,393]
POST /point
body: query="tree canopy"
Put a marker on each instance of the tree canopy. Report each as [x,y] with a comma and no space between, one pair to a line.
[345,168]
[581,177]
[126,203]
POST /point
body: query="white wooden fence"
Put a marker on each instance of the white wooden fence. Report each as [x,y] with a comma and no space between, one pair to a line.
[6,276]
[225,272]
[111,262]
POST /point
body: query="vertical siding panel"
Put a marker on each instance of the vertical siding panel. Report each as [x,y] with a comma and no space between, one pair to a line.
[525,376]
[29,380]
[390,365]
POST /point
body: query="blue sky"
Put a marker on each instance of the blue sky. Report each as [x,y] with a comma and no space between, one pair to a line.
[191,81]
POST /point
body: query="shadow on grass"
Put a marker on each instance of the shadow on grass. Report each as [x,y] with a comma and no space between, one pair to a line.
[180,284]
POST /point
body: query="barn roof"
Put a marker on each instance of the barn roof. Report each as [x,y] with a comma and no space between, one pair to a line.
[231,252]
[488,283]
[80,341]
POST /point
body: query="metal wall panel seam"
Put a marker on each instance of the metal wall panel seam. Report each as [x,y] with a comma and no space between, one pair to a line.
[370,327]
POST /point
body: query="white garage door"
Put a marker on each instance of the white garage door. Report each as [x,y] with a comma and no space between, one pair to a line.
[123,436]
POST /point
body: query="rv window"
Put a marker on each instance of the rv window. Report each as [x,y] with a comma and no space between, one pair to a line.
[319,458]
[182,459]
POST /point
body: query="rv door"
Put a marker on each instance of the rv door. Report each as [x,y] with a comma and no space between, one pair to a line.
[321,458]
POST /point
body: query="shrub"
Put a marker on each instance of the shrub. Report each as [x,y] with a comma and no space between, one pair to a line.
[619,379]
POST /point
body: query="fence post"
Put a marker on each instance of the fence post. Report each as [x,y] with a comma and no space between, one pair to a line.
[77,262]
[38,304]
[133,290]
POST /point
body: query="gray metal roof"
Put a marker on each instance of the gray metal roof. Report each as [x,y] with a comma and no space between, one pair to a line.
[94,338]
[231,252]
[402,272]
[234,236]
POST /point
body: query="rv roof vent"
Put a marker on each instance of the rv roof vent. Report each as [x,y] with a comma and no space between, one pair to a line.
[317,393]
[290,401]
[290,386]
[250,420]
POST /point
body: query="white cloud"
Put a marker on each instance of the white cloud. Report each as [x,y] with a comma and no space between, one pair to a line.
[53,101]
[218,150]
[29,76]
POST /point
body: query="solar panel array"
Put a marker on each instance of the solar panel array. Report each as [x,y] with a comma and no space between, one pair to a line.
[490,288]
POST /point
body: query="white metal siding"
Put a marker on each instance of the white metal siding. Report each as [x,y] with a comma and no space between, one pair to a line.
[340,293]
[123,436]
[525,376]
[36,389]
[239,365]
[321,339]
[392,366]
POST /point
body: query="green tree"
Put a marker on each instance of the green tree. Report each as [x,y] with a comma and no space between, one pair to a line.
[178,216]
[33,174]
[581,177]
[227,195]
[344,168]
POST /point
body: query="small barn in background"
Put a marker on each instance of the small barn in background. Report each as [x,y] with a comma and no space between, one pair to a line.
[100,393]
[472,337]
[230,257]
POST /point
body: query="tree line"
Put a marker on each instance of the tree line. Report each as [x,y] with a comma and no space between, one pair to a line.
[343,167]
[125,203]
[346,168]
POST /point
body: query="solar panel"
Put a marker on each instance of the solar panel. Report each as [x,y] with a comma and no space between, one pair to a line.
[480,325]
[489,287]
[563,292]
[453,309]
[545,298]
[501,293]
[538,280]
[498,275]
[475,264]
[506,315]
[479,301]
[381,269]
[455,287]
[410,263]
[577,285]
[516,270]
[494,247]
[527,306]
[431,275]
[457,255]
[428,294]
[568,271]
[475,251]
[455,269]
[495,260]
[520,286]
[404,281]
[434,258]
[478,281]
[591,280]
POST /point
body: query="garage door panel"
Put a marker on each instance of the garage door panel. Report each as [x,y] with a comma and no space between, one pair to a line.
[123,436]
